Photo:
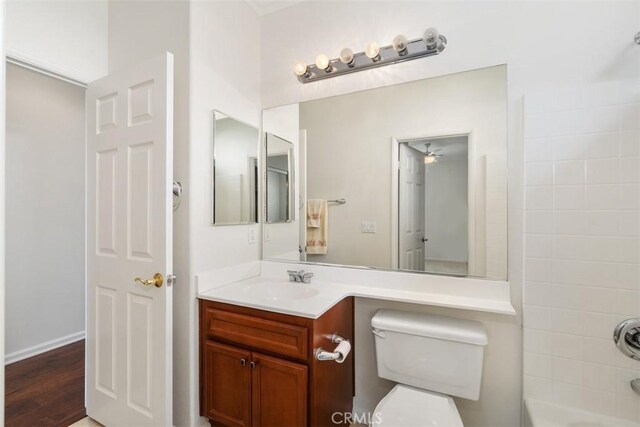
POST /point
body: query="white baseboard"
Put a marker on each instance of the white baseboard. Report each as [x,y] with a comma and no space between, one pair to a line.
[16,356]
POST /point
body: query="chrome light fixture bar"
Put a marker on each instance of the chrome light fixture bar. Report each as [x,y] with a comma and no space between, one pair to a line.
[432,43]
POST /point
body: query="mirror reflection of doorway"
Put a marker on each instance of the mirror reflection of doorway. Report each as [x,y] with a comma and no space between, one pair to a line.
[434,205]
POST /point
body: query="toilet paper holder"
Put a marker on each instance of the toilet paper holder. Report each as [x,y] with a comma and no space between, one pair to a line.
[321,354]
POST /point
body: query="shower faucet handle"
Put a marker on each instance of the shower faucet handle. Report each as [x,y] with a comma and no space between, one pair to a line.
[627,338]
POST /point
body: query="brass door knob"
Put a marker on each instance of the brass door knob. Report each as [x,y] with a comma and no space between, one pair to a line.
[156,281]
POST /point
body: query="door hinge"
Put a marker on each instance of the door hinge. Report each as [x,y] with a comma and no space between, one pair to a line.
[171,279]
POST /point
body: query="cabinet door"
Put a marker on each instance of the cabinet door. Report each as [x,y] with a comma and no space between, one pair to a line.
[279,390]
[227,384]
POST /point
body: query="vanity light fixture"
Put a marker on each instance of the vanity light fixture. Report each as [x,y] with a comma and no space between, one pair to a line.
[401,49]
[399,44]
[372,50]
[431,38]
[346,57]
[301,70]
[322,62]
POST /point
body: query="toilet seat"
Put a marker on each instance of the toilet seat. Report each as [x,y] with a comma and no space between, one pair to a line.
[406,406]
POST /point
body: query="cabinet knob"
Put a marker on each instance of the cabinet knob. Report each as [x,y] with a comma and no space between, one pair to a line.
[243,362]
[253,365]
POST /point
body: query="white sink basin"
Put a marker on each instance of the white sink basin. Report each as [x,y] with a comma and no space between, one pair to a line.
[280,291]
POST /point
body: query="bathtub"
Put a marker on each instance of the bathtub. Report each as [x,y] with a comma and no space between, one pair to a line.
[544,414]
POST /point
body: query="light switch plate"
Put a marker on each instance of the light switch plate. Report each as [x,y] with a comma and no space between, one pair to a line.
[252,235]
[367,227]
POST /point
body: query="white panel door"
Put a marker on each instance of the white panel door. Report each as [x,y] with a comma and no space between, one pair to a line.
[411,206]
[129,217]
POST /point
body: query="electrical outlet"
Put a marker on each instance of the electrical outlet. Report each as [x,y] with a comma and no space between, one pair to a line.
[367,227]
[252,235]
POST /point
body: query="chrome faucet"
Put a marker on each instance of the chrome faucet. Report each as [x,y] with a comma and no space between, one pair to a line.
[300,276]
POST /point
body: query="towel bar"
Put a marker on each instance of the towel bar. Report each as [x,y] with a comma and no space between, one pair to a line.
[338,201]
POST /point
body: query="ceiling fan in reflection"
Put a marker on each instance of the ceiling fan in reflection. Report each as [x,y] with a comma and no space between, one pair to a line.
[431,156]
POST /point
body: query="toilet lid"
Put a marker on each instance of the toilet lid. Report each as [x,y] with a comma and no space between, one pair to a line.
[406,406]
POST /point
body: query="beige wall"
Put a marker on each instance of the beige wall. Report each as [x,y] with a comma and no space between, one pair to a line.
[349,155]
[45,210]
[447,209]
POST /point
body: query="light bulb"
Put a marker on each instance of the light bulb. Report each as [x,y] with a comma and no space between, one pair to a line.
[431,37]
[429,159]
[372,51]
[400,43]
[300,68]
[322,61]
[346,56]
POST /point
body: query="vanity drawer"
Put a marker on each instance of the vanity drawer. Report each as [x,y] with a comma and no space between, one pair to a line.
[263,334]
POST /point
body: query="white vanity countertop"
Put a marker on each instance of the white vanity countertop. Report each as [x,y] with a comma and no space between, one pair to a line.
[240,293]
[325,291]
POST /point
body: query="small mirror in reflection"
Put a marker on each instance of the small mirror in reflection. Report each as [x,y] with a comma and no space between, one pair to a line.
[279,188]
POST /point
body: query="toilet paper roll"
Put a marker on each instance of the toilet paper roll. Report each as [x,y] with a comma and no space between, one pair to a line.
[343,349]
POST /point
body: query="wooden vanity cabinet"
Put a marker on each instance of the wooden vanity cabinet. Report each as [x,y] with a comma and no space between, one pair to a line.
[228,384]
[278,392]
[257,368]
[244,386]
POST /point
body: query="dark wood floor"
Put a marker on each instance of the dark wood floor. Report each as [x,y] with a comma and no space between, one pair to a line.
[46,390]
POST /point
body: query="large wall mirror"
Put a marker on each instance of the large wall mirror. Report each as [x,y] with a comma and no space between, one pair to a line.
[235,171]
[411,177]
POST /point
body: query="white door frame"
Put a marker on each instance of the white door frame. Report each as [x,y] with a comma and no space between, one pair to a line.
[395,144]
[2,215]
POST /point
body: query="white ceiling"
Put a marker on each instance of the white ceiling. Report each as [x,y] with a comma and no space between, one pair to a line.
[265,7]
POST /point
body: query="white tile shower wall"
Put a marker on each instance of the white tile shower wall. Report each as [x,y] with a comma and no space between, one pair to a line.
[582,244]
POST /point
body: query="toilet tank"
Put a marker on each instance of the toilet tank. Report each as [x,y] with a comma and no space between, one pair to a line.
[436,353]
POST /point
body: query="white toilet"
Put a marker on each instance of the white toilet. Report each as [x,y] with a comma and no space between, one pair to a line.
[432,358]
